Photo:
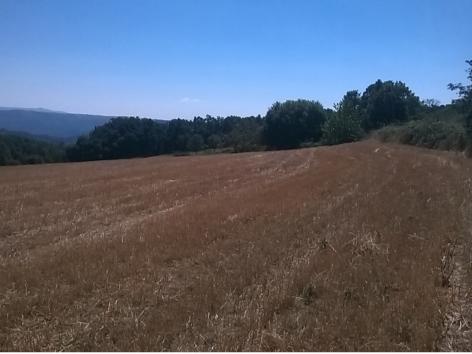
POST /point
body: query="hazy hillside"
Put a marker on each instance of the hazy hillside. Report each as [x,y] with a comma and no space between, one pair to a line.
[49,123]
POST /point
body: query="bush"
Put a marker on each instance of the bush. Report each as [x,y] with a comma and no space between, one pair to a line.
[442,135]
[339,130]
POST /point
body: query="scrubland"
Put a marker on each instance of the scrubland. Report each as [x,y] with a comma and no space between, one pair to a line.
[363,246]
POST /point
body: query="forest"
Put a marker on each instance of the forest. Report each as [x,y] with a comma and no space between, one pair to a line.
[388,110]
[18,150]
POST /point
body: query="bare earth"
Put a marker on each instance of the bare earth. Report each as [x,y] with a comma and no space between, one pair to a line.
[360,246]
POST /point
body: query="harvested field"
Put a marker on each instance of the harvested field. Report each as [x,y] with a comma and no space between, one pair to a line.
[360,246]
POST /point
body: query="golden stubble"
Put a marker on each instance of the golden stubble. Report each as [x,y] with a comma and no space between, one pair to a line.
[352,247]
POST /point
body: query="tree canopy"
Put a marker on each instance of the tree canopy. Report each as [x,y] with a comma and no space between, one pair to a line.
[344,125]
[119,138]
[290,123]
[126,137]
[15,150]
[383,103]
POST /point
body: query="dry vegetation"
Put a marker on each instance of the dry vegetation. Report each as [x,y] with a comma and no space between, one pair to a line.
[356,247]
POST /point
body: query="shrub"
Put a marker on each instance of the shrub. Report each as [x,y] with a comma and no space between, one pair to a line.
[338,129]
[442,135]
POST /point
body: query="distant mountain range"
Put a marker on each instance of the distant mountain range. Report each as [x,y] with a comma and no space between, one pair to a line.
[48,124]
[39,109]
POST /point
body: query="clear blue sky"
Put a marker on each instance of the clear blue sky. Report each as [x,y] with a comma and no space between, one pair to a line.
[168,59]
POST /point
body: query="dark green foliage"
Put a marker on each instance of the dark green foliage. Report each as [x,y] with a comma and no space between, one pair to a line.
[291,123]
[195,143]
[119,138]
[134,137]
[441,128]
[387,102]
[15,150]
[178,131]
[448,112]
[464,103]
[215,141]
[344,125]
[433,134]
[468,125]
[468,130]
[245,134]
[5,153]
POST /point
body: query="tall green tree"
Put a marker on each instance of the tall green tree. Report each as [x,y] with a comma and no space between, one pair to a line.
[387,102]
[344,125]
[290,123]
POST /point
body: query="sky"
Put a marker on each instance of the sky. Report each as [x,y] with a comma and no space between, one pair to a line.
[183,58]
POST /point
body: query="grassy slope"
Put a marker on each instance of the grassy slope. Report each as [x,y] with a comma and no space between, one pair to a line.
[333,248]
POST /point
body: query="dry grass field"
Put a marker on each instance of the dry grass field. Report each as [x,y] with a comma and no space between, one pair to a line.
[360,246]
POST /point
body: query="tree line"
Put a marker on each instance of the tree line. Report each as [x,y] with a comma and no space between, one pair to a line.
[19,150]
[126,137]
[286,125]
